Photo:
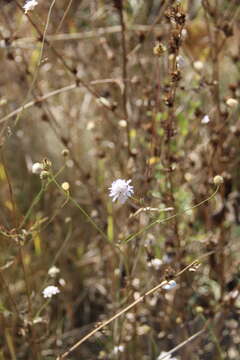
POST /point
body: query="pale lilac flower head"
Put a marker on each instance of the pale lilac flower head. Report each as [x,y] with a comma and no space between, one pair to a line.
[121,190]
[30,5]
[50,291]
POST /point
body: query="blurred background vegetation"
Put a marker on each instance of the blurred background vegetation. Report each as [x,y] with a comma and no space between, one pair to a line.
[132,89]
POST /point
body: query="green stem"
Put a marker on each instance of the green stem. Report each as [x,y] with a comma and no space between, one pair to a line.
[214,337]
[159,221]
[42,308]
[39,195]
[88,217]
[35,201]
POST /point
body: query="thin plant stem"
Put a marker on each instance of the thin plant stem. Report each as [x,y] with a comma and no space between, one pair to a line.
[3,282]
[124,75]
[214,337]
[35,75]
[14,207]
[88,217]
[27,284]
[41,308]
[59,252]
[179,346]
[35,201]
[159,221]
[64,16]
[127,308]
[39,195]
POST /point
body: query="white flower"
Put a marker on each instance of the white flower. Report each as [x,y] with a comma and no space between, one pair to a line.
[155,263]
[118,349]
[49,291]
[232,102]
[65,186]
[218,180]
[121,190]
[198,65]
[170,285]
[164,356]
[167,258]
[53,271]
[205,119]
[30,5]
[62,282]
[181,62]
[37,168]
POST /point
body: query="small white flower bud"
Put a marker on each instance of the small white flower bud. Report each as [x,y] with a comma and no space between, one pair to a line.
[53,271]
[155,263]
[62,282]
[37,168]
[218,180]
[122,123]
[65,186]
[198,65]
[44,175]
[205,119]
[232,103]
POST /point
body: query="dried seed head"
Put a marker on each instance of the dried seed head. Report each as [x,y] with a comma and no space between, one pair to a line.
[47,164]
[65,152]
[159,49]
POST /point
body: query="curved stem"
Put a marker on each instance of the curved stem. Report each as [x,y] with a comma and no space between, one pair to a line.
[88,217]
[159,221]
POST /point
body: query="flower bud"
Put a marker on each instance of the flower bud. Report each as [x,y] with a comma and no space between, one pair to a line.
[46,164]
[159,49]
[65,153]
[218,180]
[198,65]
[65,186]
[44,175]
[37,168]
[232,103]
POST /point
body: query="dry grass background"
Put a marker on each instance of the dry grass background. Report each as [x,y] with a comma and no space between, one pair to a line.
[119,89]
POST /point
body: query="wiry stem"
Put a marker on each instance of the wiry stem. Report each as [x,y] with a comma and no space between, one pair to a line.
[127,308]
